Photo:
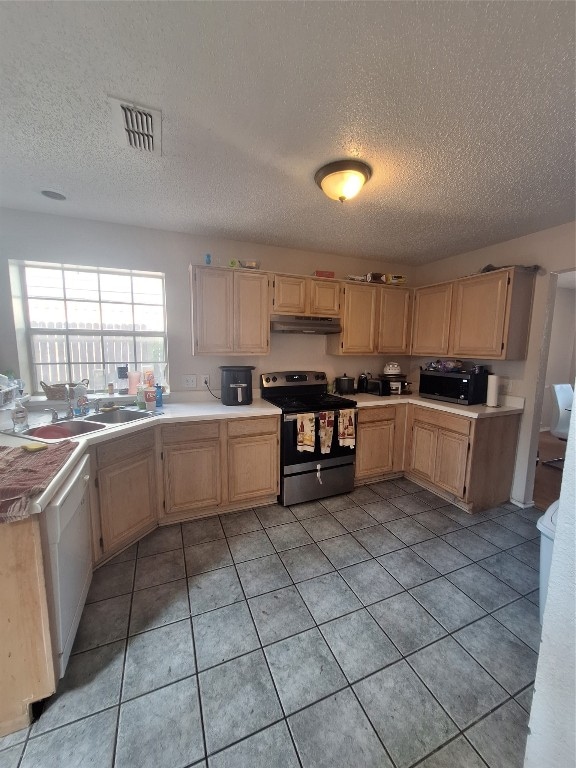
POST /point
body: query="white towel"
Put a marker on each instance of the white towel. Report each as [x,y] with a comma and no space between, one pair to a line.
[306,432]
[326,430]
[346,428]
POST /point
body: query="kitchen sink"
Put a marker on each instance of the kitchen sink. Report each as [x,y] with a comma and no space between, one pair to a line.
[62,430]
[117,417]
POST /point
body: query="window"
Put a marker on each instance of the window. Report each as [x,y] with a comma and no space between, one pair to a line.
[79,320]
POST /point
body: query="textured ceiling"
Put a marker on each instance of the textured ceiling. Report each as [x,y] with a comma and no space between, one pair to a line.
[464,110]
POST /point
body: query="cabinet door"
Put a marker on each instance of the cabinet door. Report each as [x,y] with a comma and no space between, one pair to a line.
[394,326]
[431,323]
[251,313]
[192,477]
[324,298]
[127,500]
[451,458]
[423,454]
[289,295]
[212,311]
[359,319]
[375,450]
[478,315]
[252,467]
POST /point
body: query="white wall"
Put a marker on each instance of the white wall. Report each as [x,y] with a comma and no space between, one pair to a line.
[40,237]
[560,369]
[551,742]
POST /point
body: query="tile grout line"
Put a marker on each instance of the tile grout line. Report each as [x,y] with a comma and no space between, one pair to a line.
[115,745]
[318,625]
[194,652]
[284,719]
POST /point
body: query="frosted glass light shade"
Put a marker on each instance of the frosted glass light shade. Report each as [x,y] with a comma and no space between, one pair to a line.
[343,179]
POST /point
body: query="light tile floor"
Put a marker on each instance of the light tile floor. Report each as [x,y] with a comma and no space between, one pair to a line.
[382,629]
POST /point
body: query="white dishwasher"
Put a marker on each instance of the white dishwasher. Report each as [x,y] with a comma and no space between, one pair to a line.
[68,557]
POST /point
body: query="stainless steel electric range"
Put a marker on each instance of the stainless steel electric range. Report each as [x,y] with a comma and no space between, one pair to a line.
[325,467]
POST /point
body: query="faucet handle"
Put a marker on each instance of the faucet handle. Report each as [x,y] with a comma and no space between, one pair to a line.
[97,405]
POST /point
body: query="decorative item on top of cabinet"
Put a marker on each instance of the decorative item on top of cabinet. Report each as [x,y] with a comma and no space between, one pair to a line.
[127,490]
[299,295]
[380,447]
[359,315]
[230,311]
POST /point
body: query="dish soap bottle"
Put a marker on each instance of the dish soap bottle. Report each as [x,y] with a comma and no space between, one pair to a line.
[158,396]
[19,417]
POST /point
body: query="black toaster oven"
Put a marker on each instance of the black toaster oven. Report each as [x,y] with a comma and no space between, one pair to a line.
[464,388]
[379,387]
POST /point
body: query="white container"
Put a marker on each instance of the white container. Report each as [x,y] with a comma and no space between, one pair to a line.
[547,527]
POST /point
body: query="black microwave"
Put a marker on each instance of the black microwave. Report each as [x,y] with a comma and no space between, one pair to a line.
[464,388]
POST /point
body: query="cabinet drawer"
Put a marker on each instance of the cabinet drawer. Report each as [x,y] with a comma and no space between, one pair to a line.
[259,426]
[367,415]
[188,433]
[116,450]
[458,424]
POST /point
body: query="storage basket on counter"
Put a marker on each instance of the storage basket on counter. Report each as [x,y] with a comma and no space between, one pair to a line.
[59,391]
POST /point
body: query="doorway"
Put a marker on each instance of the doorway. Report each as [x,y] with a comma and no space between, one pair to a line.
[560,369]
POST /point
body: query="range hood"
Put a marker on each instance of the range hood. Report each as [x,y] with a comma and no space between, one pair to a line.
[301,324]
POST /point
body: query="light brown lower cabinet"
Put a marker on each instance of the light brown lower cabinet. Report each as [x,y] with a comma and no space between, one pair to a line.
[27,671]
[192,468]
[127,490]
[380,444]
[219,466]
[468,461]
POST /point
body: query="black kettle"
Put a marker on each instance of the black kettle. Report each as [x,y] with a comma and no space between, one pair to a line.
[363,382]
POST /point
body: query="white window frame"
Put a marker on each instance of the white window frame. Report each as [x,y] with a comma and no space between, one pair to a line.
[29,366]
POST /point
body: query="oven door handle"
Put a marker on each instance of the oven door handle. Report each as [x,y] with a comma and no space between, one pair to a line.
[316,414]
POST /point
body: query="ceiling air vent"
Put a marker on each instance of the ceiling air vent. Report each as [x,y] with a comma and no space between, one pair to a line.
[137,126]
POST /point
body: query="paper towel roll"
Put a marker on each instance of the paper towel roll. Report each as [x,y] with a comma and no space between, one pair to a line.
[492,394]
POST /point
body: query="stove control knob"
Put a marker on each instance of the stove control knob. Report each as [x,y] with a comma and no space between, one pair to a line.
[274,378]
[267,379]
[321,376]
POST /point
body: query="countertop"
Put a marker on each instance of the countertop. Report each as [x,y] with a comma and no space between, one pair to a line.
[210,409]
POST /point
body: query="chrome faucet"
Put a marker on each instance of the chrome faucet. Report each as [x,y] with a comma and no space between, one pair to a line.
[69,410]
[97,406]
[54,413]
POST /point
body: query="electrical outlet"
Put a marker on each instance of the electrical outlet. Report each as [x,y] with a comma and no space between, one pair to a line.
[189,381]
[204,380]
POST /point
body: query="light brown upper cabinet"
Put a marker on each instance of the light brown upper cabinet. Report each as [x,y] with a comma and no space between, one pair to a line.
[230,311]
[485,316]
[359,327]
[294,295]
[394,325]
[491,315]
[431,320]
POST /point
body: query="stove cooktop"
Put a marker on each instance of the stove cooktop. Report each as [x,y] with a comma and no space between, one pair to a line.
[309,403]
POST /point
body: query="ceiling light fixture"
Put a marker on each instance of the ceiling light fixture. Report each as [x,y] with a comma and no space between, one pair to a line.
[53,195]
[342,179]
